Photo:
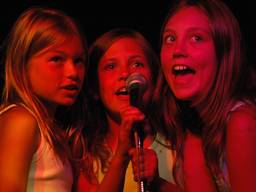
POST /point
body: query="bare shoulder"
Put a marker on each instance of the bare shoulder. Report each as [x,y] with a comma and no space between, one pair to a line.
[17,116]
[19,139]
[17,123]
[240,146]
[243,120]
[241,135]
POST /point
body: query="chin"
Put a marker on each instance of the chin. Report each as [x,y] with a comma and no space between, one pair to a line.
[67,102]
[183,96]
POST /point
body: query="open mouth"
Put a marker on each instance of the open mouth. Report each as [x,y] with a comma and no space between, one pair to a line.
[182,70]
[71,87]
[122,91]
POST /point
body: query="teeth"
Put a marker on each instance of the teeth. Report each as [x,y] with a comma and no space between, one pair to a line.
[182,70]
[180,67]
[122,89]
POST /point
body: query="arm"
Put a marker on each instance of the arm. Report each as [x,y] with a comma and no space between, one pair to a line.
[115,177]
[18,141]
[196,174]
[241,154]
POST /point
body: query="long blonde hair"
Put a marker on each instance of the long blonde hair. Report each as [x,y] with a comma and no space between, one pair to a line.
[36,29]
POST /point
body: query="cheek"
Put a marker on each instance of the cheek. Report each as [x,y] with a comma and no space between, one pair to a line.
[207,77]
[165,53]
[148,75]
[104,87]
[149,91]
[211,76]
[166,66]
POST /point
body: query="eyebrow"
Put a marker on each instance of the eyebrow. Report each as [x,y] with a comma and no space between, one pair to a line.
[168,30]
[130,57]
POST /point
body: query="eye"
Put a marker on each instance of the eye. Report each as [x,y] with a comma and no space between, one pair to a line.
[109,66]
[196,38]
[79,61]
[169,38]
[137,64]
[56,59]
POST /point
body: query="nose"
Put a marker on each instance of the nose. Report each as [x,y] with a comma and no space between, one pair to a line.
[180,49]
[124,72]
[72,71]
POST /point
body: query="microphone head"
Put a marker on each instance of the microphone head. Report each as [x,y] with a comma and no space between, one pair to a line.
[136,81]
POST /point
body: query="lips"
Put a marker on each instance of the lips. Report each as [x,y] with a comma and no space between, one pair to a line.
[122,91]
[71,87]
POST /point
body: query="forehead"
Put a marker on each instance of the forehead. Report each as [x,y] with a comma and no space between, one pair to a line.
[125,47]
[70,42]
[190,17]
[125,43]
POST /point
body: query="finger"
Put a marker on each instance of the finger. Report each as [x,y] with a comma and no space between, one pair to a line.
[131,113]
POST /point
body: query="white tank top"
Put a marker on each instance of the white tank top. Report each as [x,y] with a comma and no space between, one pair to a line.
[47,172]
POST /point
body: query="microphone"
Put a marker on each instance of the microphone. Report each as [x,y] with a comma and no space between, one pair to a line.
[136,84]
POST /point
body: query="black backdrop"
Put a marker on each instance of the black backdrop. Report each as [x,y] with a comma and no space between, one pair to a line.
[146,16]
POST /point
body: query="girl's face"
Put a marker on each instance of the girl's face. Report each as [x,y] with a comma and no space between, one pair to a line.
[57,72]
[124,57]
[187,54]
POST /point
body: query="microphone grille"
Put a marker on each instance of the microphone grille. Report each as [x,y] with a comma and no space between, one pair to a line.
[136,80]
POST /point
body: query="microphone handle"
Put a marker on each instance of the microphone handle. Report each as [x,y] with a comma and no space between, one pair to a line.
[142,187]
[135,100]
[138,138]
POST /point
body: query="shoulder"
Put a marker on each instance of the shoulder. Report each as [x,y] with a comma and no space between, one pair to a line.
[240,148]
[17,116]
[243,119]
[17,123]
[19,140]
[241,132]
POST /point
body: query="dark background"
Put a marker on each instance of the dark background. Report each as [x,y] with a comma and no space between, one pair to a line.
[146,16]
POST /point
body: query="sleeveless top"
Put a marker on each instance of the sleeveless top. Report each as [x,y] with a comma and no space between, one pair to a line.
[47,172]
[165,164]
[224,186]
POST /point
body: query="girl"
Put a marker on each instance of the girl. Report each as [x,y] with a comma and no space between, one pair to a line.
[208,101]
[44,71]
[108,145]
